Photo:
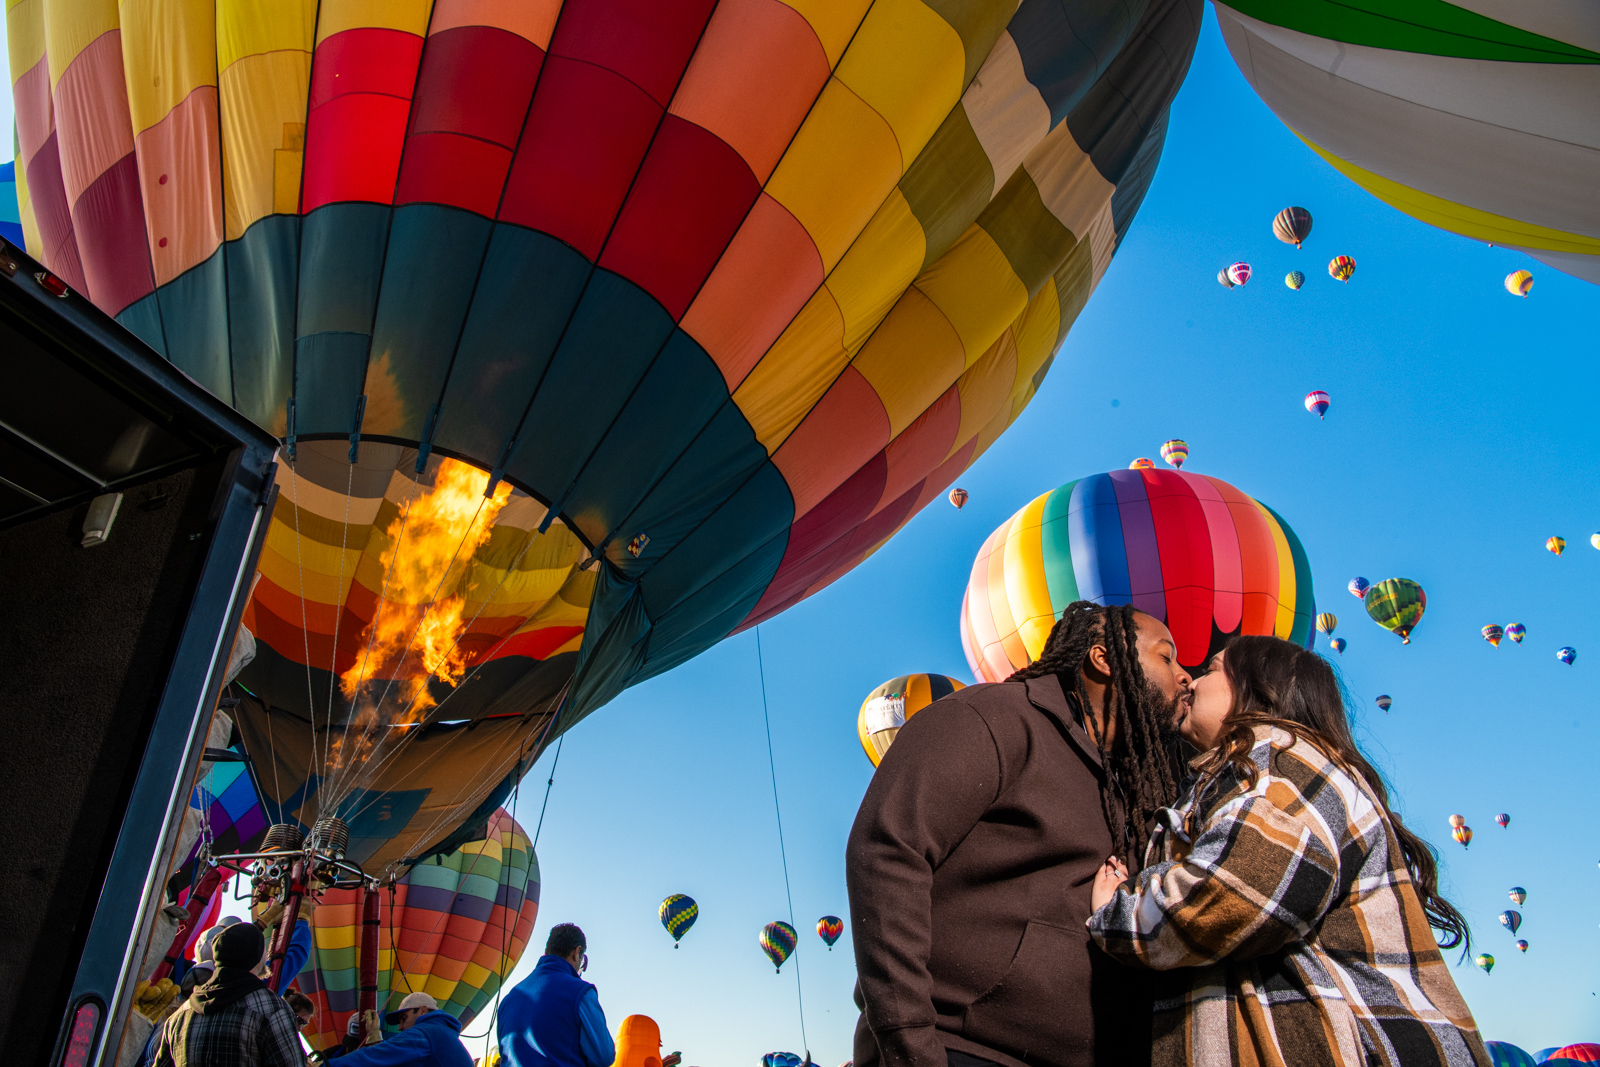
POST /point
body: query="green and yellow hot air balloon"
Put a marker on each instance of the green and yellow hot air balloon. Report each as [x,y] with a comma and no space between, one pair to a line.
[1396,604]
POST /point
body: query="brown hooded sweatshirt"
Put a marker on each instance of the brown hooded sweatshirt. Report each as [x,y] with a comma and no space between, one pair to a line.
[970,867]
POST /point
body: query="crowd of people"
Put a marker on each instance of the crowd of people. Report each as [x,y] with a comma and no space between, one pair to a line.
[1104,860]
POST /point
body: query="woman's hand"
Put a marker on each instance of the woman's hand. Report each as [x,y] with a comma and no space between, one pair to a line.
[1111,874]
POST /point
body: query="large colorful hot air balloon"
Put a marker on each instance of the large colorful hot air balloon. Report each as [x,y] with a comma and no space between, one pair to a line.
[1511,919]
[1557,545]
[1456,113]
[1342,268]
[1396,604]
[712,298]
[1292,226]
[1239,273]
[454,927]
[1327,621]
[1519,283]
[10,210]
[1175,452]
[829,927]
[958,497]
[1192,551]
[887,708]
[1317,403]
[1502,1054]
[1518,895]
[1567,654]
[677,913]
[1358,587]
[778,939]
[1516,631]
[1294,279]
[1493,634]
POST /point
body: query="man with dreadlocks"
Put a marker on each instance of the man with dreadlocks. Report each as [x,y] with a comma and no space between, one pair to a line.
[973,857]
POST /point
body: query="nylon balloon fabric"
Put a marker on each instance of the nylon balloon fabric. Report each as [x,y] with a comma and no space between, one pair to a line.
[458,925]
[1193,551]
[1505,1054]
[887,708]
[725,293]
[1476,118]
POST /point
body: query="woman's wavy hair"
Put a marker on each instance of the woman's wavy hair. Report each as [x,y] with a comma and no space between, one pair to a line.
[1279,683]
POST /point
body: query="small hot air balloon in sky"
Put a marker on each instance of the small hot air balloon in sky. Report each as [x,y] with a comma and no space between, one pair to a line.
[1566,654]
[1504,820]
[1516,631]
[1557,545]
[1397,605]
[1493,634]
[1337,644]
[887,708]
[829,927]
[678,912]
[1239,273]
[1143,463]
[1317,403]
[1223,279]
[1175,452]
[958,497]
[1457,821]
[1294,279]
[777,941]
[1341,267]
[1518,895]
[1384,701]
[1594,539]
[1485,961]
[1292,226]
[1463,835]
[1518,282]
[1522,946]
[1358,587]
[1511,919]
[1327,621]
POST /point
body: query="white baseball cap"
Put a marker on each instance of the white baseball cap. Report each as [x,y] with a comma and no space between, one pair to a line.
[413,1000]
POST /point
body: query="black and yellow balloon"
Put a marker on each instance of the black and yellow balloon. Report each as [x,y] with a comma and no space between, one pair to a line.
[887,708]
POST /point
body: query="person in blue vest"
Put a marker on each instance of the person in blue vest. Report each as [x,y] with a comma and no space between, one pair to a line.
[427,1036]
[553,1017]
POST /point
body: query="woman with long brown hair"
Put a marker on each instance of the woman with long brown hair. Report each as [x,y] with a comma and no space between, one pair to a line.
[1295,910]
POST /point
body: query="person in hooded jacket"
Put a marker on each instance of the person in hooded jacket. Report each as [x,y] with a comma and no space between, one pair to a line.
[427,1036]
[232,1019]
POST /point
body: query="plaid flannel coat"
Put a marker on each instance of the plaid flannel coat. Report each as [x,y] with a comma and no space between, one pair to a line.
[259,1030]
[1288,927]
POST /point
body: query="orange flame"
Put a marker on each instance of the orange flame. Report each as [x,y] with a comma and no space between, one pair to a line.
[414,633]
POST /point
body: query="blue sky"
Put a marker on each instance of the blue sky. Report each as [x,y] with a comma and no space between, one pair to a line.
[1460,437]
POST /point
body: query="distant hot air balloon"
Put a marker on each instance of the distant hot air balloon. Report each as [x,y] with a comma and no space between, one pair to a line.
[1457,821]
[1223,279]
[782,1059]
[1327,621]
[1518,282]
[1522,946]
[777,941]
[1557,545]
[1143,463]
[1396,604]
[1518,895]
[1337,644]
[1566,654]
[1516,631]
[829,927]
[1511,919]
[1504,1054]
[1341,267]
[678,912]
[1175,452]
[1292,226]
[1317,403]
[1358,587]
[1594,539]
[1485,961]
[1384,701]
[1239,273]
[1504,820]
[1463,835]
[1581,1053]
[1294,279]
[1493,634]
[887,708]
[958,497]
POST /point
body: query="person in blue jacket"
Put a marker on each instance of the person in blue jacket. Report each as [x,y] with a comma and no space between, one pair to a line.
[553,1017]
[427,1036]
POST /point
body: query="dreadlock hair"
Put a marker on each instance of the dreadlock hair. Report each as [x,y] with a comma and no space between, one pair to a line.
[1143,765]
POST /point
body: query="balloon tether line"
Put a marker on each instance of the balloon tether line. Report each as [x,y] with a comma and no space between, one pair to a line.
[547,787]
[772,766]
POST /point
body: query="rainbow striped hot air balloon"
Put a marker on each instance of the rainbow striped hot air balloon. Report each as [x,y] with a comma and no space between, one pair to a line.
[1493,634]
[1463,835]
[778,939]
[1518,283]
[1294,279]
[1397,605]
[887,708]
[677,913]
[1193,551]
[1342,267]
[1317,403]
[1175,452]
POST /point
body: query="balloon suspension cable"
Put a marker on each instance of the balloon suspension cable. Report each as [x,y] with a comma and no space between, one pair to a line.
[548,785]
[772,766]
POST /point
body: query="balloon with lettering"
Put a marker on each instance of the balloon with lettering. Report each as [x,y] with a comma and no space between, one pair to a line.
[887,708]
[1493,634]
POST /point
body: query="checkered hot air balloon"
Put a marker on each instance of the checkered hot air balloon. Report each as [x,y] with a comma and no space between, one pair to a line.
[1175,452]
[678,912]
[778,940]
[1294,279]
[1397,605]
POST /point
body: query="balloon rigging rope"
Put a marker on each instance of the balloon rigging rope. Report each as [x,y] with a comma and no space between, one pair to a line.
[547,787]
[772,765]
[305,633]
[342,597]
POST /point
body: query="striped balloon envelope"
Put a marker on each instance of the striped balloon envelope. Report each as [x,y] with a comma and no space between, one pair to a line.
[1193,551]
[457,925]
[1505,1054]
[723,292]
[1581,1053]
[778,940]
[887,708]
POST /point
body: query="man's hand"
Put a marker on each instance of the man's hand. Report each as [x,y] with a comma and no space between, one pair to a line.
[374,1027]
[1111,874]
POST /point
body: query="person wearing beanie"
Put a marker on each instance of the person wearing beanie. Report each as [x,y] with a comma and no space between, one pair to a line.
[232,1017]
[427,1037]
